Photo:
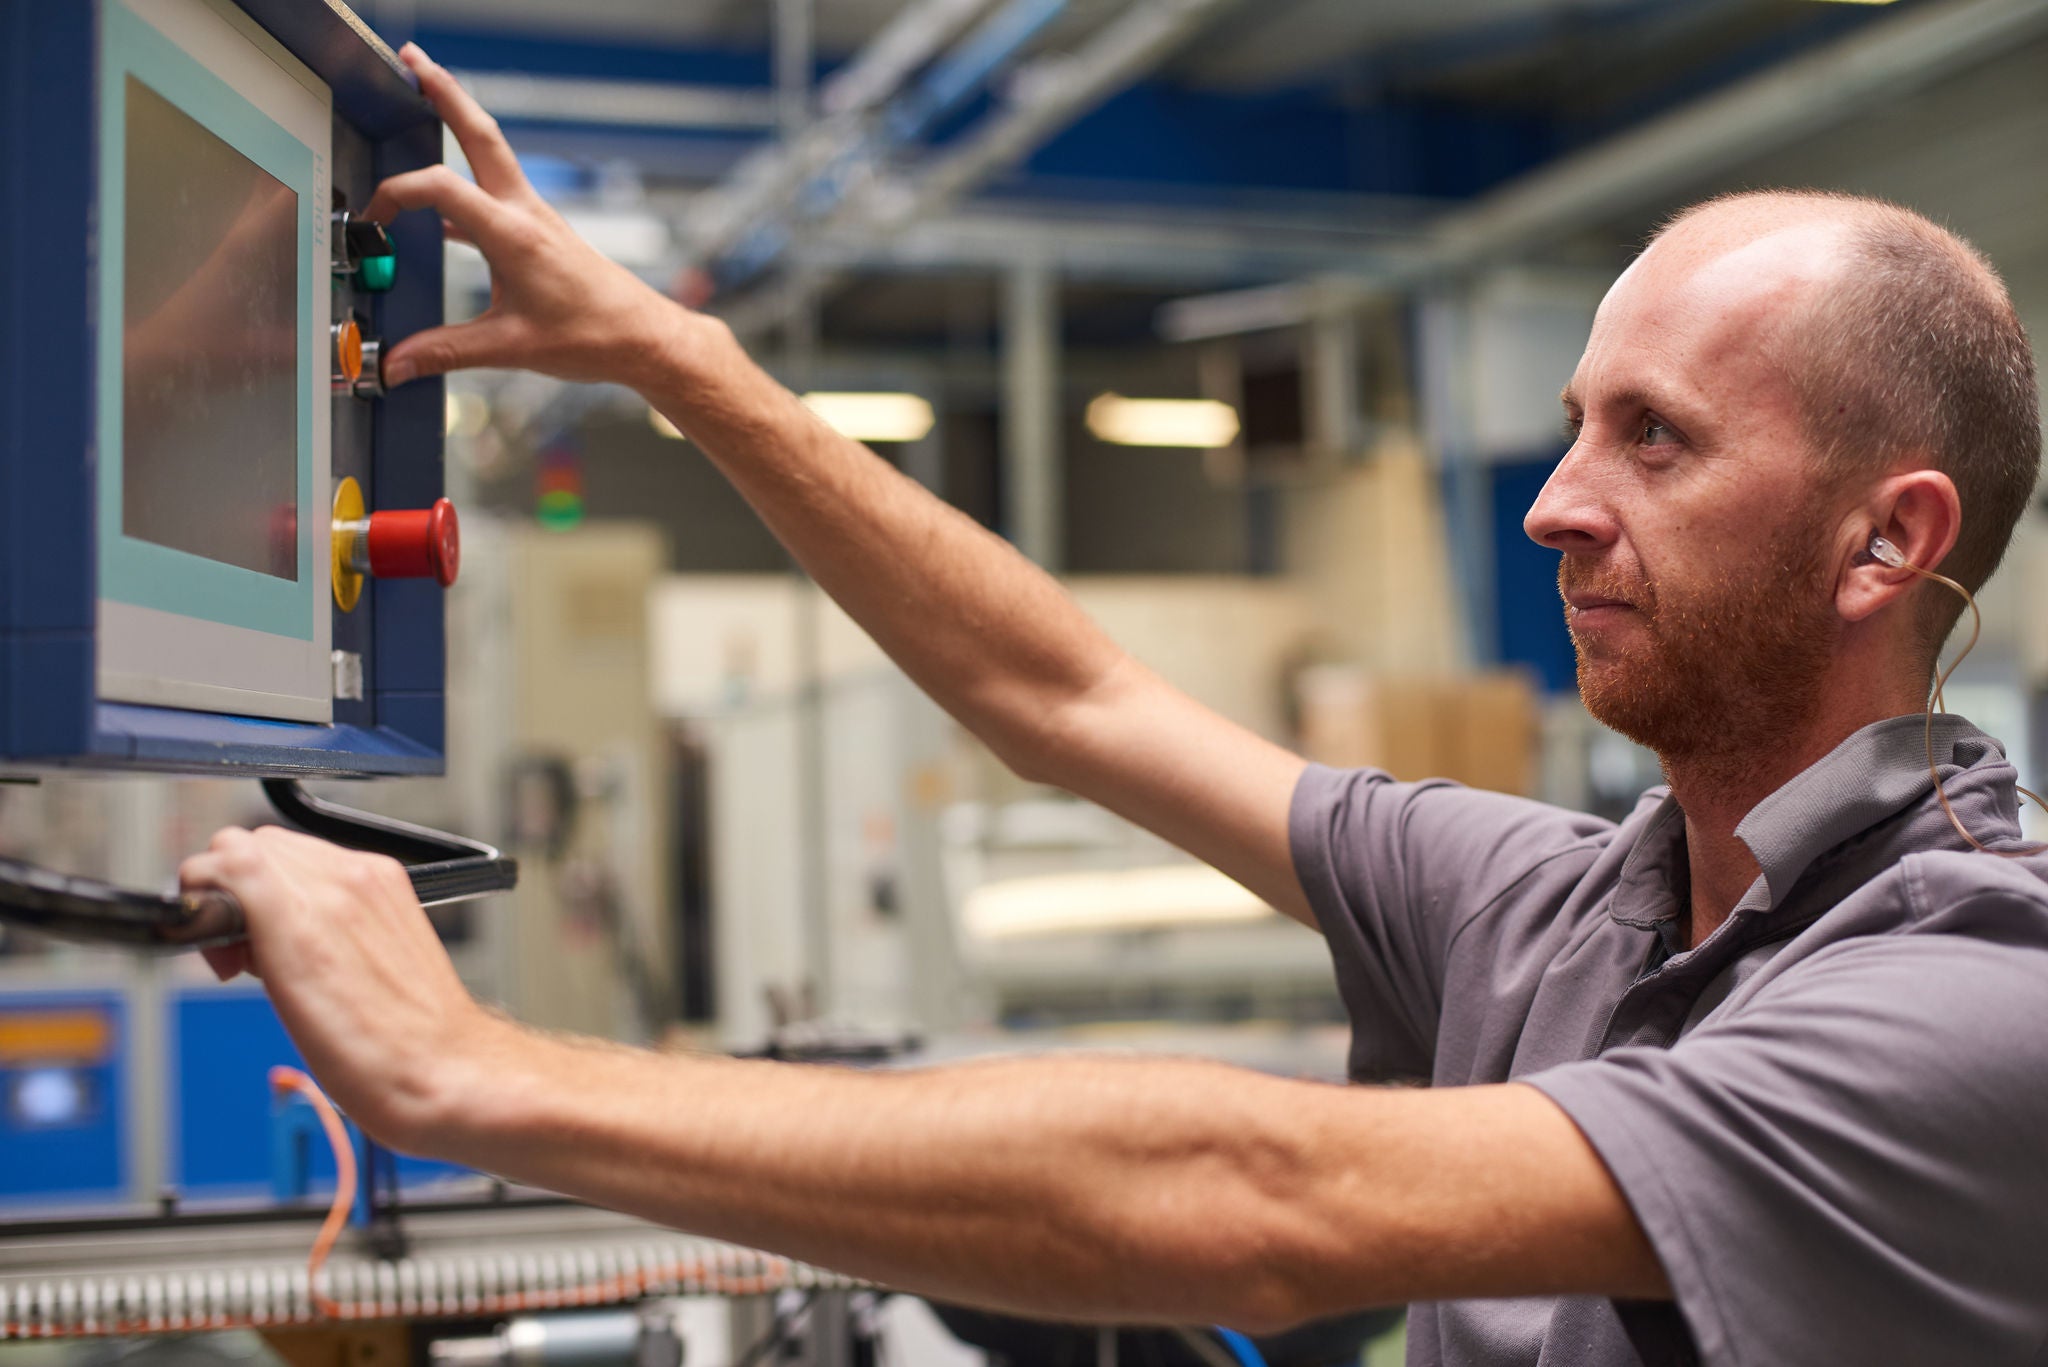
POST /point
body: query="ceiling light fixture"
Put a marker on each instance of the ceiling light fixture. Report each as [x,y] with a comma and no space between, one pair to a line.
[873,417]
[660,423]
[1202,424]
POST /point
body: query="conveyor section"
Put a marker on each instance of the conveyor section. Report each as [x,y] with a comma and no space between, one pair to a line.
[468,1264]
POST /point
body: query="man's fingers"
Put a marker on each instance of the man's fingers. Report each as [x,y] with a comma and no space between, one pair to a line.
[227,961]
[456,346]
[442,189]
[211,870]
[490,156]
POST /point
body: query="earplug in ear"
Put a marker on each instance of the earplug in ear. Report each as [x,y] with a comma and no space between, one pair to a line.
[1886,554]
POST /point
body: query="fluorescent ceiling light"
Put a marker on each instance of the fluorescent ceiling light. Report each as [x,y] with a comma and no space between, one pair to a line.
[1122,899]
[873,417]
[661,424]
[1860,2]
[1202,423]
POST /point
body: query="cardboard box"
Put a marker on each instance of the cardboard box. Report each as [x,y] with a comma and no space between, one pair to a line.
[1477,729]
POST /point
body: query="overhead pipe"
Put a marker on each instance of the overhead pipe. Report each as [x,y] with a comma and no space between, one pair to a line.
[768,179]
[1047,97]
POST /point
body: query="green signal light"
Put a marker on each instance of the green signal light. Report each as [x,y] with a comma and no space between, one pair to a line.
[559,510]
[377,273]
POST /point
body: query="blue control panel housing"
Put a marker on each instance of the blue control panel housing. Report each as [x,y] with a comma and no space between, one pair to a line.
[52,716]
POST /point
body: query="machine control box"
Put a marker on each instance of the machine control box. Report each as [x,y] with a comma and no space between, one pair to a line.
[223,542]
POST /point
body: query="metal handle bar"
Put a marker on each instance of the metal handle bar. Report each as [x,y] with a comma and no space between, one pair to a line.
[444,868]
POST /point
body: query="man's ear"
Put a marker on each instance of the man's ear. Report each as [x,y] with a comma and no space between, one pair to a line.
[1920,513]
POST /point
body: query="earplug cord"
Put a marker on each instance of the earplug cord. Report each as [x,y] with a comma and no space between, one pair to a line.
[1886,553]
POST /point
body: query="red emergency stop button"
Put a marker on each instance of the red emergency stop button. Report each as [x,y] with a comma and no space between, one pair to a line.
[416,544]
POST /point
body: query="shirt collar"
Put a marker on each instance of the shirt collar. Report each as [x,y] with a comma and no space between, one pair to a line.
[1875,774]
[1654,878]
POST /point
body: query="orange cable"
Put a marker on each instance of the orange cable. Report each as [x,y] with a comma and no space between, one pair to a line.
[285,1079]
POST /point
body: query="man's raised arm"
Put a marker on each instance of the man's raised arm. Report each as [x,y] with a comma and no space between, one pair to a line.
[993,639]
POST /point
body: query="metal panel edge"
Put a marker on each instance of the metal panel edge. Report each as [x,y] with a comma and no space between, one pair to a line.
[372,88]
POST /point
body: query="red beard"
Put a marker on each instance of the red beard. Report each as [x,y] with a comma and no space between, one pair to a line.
[1726,664]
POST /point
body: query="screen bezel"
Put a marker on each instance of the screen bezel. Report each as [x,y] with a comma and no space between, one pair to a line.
[174,628]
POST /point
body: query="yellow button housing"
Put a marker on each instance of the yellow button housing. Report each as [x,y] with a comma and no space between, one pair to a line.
[350,514]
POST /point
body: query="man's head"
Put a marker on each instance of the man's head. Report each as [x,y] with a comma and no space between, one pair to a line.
[1775,377]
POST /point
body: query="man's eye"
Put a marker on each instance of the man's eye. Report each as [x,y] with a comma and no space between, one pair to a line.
[1569,429]
[1656,433]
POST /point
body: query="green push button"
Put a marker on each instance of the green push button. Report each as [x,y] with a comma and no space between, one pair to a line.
[377,273]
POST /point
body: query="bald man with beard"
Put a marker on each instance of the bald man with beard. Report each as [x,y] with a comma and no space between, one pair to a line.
[1757,1075]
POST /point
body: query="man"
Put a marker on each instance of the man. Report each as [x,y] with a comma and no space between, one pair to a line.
[1758,1075]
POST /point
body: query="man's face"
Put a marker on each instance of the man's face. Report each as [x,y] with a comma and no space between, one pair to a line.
[1697,570]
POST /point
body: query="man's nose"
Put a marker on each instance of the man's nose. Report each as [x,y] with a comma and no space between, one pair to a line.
[1568,514]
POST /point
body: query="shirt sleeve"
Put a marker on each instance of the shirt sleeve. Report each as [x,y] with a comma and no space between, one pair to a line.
[1849,1168]
[1392,870]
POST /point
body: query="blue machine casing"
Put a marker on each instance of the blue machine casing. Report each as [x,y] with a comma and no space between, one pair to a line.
[50,713]
[80,1153]
[216,1140]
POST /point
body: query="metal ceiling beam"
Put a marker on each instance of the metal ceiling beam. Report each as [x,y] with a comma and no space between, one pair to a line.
[1661,157]
[1181,248]
[1164,255]
[636,104]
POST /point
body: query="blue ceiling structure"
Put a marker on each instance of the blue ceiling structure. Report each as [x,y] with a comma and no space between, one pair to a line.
[1442,119]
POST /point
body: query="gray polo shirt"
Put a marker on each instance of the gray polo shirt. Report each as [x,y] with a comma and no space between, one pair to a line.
[1831,1117]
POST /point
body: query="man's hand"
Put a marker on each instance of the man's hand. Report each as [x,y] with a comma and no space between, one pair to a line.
[557,304]
[356,973]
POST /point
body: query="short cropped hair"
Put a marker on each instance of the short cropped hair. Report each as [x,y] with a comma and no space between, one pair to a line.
[1916,350]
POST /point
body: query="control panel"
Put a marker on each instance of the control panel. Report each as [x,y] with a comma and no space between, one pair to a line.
[224,543]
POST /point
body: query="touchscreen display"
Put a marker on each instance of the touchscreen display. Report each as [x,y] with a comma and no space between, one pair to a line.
[209,345]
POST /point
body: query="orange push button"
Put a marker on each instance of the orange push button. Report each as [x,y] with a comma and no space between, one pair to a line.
[348,355]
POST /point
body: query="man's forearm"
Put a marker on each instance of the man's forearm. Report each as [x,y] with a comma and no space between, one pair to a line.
[1117,1189]
[1074,1188]
[990,636]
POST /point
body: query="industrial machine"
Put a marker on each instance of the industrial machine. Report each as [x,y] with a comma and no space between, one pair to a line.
[223,547]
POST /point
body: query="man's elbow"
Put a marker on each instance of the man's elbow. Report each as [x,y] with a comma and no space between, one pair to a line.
[1278,1274]
[1047,736]
[1273,1300]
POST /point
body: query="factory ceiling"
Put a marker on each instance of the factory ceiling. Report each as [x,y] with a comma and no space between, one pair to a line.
[1147,145]
[1567,50]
